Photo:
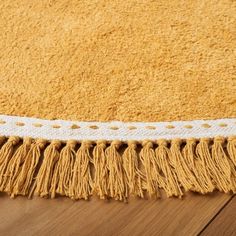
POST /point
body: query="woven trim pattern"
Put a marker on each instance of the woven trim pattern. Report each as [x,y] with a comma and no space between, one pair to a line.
[123,131]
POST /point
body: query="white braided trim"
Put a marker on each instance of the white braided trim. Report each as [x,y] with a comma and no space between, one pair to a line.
[123,131]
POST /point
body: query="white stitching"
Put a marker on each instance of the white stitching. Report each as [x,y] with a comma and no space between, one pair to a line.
[61,129]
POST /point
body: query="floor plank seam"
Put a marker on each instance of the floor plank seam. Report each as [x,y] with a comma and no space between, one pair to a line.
[215,216]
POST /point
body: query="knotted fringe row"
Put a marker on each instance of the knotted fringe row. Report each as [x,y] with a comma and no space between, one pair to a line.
[117,169]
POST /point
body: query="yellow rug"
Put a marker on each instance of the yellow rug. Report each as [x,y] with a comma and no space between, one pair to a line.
[117,98]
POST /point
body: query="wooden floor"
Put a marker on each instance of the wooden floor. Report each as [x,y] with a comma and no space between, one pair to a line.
[213,214]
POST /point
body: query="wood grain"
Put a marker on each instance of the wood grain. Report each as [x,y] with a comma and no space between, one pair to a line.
[224,223]
[63,216]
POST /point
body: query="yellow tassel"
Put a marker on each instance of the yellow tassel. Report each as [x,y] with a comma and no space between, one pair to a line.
[65,168]
[82,184]
[222,162]
[133,175]
[168,174]
[183,171]
[44,184]
[198,167]
[116,183]
[231,148]
[6,154]
[153,179]
[24,180]
[100,186]
[15,165]
[203,151]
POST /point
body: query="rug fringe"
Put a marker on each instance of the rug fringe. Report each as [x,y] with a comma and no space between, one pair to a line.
[116,169]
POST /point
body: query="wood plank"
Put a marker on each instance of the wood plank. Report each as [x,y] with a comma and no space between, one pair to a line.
[224,223]
[63,216]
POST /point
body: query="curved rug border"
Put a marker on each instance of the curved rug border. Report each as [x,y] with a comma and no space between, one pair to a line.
[115,130]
